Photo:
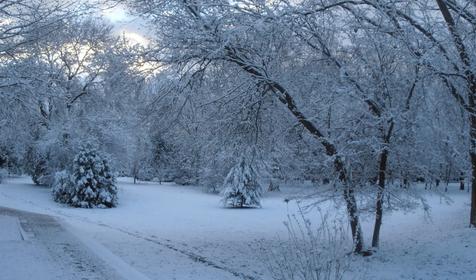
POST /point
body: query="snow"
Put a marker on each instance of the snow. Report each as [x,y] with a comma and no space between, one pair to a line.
[122,268]
[48,252]
[16,254]
[165,231]
[10,230]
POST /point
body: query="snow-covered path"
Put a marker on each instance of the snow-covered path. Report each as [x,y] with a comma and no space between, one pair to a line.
[35,246]
[175,232]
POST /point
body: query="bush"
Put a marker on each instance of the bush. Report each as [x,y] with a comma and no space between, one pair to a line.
[62,188]
[91,183]
[310,253]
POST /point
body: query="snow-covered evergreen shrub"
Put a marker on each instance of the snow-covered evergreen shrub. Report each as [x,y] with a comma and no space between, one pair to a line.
[92,182]
[241,187]
[62,188]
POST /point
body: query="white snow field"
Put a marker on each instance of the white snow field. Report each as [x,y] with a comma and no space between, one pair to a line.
[165,231]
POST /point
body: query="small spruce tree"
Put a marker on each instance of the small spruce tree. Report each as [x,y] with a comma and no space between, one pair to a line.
[241,187]
[92,184]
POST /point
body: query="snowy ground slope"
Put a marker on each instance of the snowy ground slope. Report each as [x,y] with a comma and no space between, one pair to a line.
[174,232]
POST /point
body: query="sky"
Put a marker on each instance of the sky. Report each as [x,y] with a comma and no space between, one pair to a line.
[126,25]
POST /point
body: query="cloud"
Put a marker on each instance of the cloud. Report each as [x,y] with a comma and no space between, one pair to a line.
[125,24]
[135,38]
[116,15]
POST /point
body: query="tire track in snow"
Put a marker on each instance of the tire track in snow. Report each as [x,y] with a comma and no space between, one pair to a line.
[195,257]
[191,255]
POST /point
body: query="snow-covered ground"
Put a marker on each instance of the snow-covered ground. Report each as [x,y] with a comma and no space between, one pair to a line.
[175,232]
[35,246]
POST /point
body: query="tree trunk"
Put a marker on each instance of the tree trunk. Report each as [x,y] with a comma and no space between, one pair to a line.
[472,151]
[379,203]
[353,214]
[382,171]
[472,155]
[349,195]
[471,80]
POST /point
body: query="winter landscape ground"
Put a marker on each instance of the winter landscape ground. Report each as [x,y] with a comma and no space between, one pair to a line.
[238,139]
[151,236]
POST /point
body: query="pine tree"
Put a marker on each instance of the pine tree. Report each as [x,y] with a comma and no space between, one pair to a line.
[92,184]
[241,187]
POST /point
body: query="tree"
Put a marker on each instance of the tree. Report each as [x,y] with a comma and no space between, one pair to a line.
[390,29]
[24,80]
[241,187]
[26,21]
[468,71]
[452,64]
[197,35]
[92,183]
